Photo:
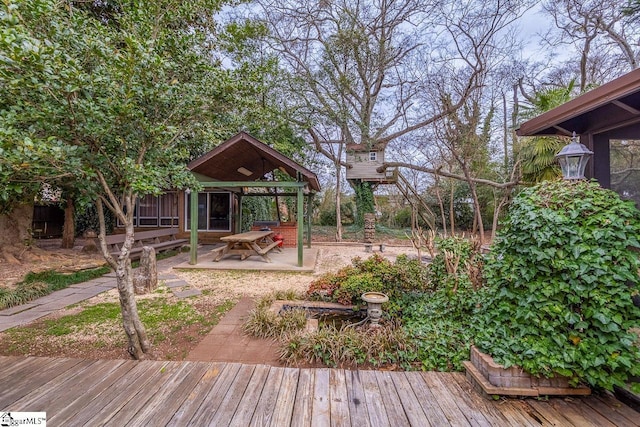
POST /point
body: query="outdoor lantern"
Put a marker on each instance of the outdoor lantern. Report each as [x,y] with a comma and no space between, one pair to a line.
[573,159]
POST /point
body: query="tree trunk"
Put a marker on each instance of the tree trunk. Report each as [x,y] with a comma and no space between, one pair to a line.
[69,229]
[15,227]
[452,211]
[478,213]
[133,327]
[443,215]
[15,233]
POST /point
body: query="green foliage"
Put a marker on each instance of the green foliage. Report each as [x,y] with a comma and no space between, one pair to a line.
[457,260]
[375,273]
[402,218]
[560,278]
[265,323]
[384,346]
[93,315]
[161,317]
[365,202]
[36,285]
[255,209]
[538,153]
[327,215]
[87,219]
[438,322]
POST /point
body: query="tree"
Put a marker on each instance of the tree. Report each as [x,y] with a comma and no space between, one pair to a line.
[375,72]
[603,35]
[112,97]
[537,154]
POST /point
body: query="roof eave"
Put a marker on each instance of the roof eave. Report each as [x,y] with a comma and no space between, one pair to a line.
[547,123]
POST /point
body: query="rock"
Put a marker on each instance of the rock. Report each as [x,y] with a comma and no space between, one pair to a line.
[146,277]
[90,247]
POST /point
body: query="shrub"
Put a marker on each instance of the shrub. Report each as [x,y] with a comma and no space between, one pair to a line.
[384,346]
[438,321]
[560,281]
[375,273]
[264,323]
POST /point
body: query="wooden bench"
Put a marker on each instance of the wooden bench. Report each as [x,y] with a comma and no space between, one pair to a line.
[161,239]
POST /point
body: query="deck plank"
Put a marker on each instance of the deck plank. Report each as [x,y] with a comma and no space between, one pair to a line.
[617,408]
[212,401]
[520,412]
[301,416]
[427,400]
[231,402]
[321,411]
[121,393]
[514,414]
[48,371]
[446,401]
[375,407]
[80,394]
[265,406]
[410,402]
[391,400]
[473,413]
[287,395]
[40,398]
[339,401]
[250,399]
[192,402]
[163,378]
[357,400]
[77,392]
[548,413]
[9,365]
[580,414]
[161,407]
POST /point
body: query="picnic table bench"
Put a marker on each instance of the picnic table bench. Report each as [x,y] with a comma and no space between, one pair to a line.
[246,245]
[161,239]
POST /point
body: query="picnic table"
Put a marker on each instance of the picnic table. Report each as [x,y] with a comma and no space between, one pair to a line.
[247,244]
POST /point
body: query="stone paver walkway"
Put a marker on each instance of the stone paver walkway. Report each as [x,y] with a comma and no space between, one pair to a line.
[227,343]
[26,313]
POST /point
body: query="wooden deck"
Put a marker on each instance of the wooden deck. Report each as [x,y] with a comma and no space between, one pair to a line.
[75,392]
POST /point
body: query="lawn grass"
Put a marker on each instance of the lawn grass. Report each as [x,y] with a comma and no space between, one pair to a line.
[36,285]
[356,233]
[100,326]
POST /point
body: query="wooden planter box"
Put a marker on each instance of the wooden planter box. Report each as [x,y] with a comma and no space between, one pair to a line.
[494,379]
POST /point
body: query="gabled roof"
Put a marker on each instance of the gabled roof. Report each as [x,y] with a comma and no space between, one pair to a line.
[244,158]
[611,106]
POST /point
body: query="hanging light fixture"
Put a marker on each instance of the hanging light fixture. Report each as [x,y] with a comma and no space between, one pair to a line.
[573,159]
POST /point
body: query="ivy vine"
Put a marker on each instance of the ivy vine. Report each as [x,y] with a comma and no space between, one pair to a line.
[560,281]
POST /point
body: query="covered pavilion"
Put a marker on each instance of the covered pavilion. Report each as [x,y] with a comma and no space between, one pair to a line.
[240,165]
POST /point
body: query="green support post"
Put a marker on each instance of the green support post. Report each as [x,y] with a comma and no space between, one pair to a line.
[300,226]
[193,207]
[309,209]
[238,225]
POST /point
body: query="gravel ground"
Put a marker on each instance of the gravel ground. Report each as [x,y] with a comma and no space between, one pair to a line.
[218,286]
[225,285]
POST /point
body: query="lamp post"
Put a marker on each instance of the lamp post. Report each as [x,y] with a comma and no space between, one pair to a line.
[573,159]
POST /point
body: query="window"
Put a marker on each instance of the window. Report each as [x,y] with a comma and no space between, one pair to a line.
[373,156]
[156,211]
[214,211]
[147,211]
[169,210]
[625,168]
